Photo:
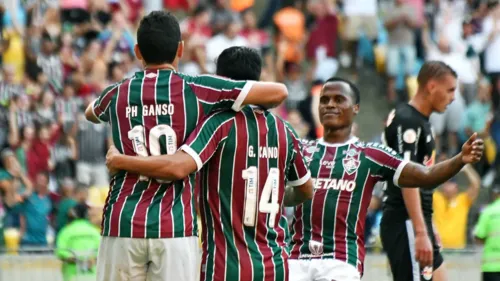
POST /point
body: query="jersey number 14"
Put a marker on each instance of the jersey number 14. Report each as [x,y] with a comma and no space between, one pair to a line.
[268,202]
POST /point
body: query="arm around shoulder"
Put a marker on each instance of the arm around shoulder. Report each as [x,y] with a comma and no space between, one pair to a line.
[266,94]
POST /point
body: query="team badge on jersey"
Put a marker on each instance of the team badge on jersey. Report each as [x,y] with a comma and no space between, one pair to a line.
[316,248]
[350,165]
[311,149]
[427,273]
[352,152]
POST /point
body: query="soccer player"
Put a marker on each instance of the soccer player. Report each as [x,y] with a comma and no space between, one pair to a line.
[245,160]
[406,228]
[149,226]
[328,231]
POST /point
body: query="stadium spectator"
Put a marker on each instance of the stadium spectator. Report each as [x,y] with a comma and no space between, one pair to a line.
[361,16]
[401,23]
[93,141]
[451,209]
[228,38]
[491,32]
[321,46]
[35,211]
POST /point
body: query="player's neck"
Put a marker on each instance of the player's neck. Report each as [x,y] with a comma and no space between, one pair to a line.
[337,135]
[166,66]
[421,105]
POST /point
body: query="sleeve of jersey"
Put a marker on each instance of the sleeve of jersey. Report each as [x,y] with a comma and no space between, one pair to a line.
[298,173]
[220,93]
[388,164]
[204,141]
[101,104]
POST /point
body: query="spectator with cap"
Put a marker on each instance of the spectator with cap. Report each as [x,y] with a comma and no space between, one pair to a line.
[451,209]
[77,244]
[487,232]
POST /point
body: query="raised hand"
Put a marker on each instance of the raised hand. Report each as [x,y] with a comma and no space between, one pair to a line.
[472,150]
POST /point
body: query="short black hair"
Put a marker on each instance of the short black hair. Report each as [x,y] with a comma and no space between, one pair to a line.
[158,37]
[354,89]
[434,70]
[79,211]
[239,63]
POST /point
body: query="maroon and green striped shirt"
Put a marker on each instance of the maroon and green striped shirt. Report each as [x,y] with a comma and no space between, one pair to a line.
[152,113]
[331,225]
[247,158]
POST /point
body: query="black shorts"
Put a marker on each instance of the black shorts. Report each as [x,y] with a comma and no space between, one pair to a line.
[491,276]
[398,241]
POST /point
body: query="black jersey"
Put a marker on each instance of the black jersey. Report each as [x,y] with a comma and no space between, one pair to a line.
[410,134]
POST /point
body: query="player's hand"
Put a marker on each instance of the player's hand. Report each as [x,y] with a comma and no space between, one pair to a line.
[423,248]
[110,156]
[472,150]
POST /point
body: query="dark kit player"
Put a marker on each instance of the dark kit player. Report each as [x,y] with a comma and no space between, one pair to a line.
[328,231]
[245,160]
[149,226]
[406,228]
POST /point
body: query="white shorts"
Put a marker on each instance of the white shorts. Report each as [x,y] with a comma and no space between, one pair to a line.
[133,259]
[317,269]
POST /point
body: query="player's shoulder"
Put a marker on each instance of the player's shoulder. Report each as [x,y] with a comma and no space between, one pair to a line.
[202,78]
[404,114]
[370,148]
[308,145]
[222,115]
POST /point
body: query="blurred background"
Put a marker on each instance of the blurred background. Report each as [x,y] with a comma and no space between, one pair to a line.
[58,55]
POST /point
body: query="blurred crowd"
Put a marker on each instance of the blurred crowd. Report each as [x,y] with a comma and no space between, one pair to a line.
[58,55]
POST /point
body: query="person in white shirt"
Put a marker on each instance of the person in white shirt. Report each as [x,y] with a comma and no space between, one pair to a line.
[361,17]
[222,41]
[491,33]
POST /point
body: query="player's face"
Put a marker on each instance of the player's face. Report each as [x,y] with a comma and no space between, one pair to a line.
[442,92]
[336,105]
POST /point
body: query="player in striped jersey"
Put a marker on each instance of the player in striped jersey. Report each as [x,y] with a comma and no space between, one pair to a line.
[247,158]
[328,231]
[152,113]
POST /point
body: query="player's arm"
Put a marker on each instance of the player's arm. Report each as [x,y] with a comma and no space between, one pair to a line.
[98,110]
[199,148]
[474,183]
[299,184]
[414,174]
[168,167]
[221,93]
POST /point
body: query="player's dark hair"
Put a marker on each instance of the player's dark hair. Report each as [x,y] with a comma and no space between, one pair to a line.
[355,91]
[239,63]
[158,37]
[434,70]
[79,211]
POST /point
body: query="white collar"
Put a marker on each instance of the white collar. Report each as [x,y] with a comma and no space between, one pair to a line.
[353,139]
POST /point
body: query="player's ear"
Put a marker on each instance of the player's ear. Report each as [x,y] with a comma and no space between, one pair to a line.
[137,52]
[355,109]
[180,49]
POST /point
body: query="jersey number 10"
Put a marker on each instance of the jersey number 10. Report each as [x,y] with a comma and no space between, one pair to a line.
[270,191]
[137,136]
